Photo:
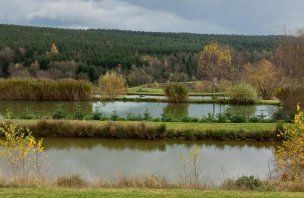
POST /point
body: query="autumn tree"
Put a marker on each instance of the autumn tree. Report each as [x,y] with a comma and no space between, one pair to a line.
[112,85]
[264,76]
[289,56]
[21,150]
[290,155]
[54,50]
[215,63]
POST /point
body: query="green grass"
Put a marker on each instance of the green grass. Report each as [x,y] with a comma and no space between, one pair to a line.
[92,193]
[180,126]
[246,127]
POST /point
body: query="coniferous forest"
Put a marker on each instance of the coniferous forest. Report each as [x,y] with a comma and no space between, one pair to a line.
[143,57]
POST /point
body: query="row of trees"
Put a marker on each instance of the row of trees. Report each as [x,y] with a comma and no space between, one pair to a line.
[280,76]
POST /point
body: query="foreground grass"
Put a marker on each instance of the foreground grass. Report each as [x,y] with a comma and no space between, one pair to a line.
[91,193]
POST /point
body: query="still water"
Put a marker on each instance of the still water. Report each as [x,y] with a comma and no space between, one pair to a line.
[108,159]
[156,109]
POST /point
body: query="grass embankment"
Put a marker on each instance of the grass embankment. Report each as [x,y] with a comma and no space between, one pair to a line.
[91,193]
[44,89]
[152,130]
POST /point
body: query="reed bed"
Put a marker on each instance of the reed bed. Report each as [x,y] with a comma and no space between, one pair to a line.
[45,89]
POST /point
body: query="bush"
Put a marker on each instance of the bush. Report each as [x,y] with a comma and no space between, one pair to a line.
[97,116]
[176,92]
[290,155]
[243,94]
[250,183]
[59,113]
[112,85]
[79,114]
[237,118]
[114,116]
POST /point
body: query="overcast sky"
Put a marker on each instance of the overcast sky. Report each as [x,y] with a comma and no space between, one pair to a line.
[197,16]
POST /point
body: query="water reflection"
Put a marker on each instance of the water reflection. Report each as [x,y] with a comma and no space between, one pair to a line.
[156,109]
[44,108]
[106,158]
[159,145]
[247,111]
[175,111]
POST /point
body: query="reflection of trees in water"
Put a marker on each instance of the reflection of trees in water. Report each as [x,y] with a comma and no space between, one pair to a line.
[176,110]
[42,108]
[244,110]
[140,145]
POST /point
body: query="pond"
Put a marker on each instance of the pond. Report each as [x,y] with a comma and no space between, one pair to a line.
[156,109]
[108,159]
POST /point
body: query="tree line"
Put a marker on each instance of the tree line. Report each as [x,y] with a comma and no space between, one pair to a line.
[142,57]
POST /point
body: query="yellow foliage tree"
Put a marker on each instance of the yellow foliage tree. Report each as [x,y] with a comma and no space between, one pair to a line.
[290,155]
[264,76]
[215,63]
[21,150]
[54,50]
[112,85]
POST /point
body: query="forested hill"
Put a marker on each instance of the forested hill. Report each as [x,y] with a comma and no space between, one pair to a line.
[109,48]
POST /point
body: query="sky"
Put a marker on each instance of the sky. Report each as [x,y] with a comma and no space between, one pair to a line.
[249,17]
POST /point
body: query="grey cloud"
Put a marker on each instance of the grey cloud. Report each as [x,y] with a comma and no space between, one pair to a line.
[199,16]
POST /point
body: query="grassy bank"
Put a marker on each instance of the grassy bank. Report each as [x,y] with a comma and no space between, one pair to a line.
[141,90]
[65,193]
[152,130]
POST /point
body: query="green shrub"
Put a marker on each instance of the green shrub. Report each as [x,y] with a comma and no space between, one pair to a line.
[147,115]
[79,114]
[114,116]
[250,183]
[97,116]
[243,94]
[176,92]
[237,118]
[59,113]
